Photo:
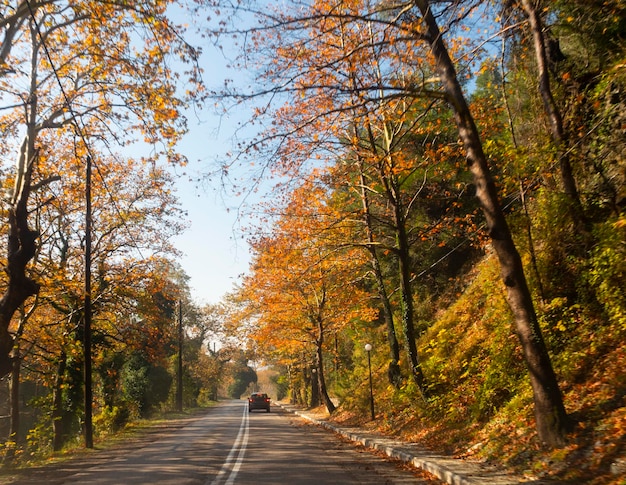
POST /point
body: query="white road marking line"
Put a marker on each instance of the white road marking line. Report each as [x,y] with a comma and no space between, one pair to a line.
[242,449]
[241,443]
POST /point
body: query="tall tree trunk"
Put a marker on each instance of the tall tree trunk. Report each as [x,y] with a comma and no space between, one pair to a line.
[21,246]
[555,119]
[522,189]
[14,400]
[15,394]
[551,419]
[321,379]
[394,373]
[408,313]
[394,197]
[57,404]
[20,250]
[531,242]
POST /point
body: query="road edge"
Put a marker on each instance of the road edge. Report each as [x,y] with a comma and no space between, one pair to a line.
[453,471]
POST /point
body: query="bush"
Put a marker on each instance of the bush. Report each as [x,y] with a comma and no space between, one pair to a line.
[110,420]
[145,386]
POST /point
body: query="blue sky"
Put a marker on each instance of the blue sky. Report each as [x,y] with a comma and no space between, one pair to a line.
[215,253]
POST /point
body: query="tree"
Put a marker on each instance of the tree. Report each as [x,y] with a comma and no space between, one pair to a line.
[242,375]
[407,29]
[544,47]
[550,415]
[354,99]
[78,69]
[133,295]
[302,288]
[410,212]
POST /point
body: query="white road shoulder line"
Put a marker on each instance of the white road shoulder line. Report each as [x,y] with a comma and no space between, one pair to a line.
[240,445]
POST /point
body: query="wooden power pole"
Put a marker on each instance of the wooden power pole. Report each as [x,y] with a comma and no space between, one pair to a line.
[88,425]
[179,374]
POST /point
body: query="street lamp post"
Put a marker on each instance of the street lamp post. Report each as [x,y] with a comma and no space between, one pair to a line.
[368,349]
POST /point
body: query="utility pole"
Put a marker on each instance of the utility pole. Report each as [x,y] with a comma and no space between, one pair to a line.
[179,374]
[88,430]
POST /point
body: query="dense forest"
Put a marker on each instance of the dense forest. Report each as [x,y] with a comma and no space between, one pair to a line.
[450,190]
[448,186]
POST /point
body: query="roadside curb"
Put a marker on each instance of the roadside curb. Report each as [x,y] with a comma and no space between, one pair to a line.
[453,471]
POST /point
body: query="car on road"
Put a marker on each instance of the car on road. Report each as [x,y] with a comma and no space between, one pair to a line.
[259,400]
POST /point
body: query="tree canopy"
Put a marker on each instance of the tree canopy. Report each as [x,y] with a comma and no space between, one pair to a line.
[385,104]
[448,186]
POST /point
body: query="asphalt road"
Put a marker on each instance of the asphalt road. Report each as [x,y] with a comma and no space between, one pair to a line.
[229,446]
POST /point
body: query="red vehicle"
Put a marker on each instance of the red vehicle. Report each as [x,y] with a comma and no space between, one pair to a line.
[259,400]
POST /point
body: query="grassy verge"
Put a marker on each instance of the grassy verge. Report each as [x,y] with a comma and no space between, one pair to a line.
[133,431]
